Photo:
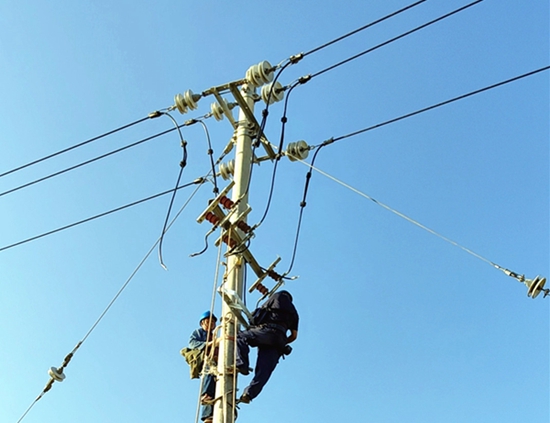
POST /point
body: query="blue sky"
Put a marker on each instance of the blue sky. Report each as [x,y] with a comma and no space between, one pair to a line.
[397,325]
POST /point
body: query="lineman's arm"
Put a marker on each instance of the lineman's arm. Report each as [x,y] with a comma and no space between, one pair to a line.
[292,337]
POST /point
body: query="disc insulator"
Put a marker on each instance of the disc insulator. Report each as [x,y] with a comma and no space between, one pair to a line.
[272,93]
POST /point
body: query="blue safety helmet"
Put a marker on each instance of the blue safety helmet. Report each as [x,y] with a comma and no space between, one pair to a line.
[206,315]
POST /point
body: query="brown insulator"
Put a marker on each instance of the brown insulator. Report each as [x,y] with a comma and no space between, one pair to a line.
[226,202]
[243,226]
[273,275]
[262,289]
[212,218]
[229,241]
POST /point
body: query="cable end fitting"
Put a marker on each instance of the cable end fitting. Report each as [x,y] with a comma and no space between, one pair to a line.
[304,79]
[296,58]
[154,114]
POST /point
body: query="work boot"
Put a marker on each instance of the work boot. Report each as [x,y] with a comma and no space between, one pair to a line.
[245,399]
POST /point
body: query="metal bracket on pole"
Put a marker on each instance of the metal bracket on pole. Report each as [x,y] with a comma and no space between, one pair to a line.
[232,299]
[264,274]
[214,203]
[251,119]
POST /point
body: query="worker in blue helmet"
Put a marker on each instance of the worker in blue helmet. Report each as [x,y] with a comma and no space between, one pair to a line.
[274,326]
[203,339]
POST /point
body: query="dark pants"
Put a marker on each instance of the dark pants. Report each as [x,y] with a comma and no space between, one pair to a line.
[208,387]
[270,343]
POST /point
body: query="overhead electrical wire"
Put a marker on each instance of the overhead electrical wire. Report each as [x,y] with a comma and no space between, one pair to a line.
[97,216]
[434,106]
[102,315]
[280,150]
[296,58]
[150,116]
[302,206]
[87,162]
[418,28]
[331,140]
[307,78]
[321,47]
[183,163]
[118,150]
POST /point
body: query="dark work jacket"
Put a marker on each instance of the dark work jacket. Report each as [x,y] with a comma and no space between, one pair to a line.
[281,311]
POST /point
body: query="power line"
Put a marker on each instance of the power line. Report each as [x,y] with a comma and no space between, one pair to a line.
[87,162]
[362,28]
[443,103]
[97,216]
[150,116]
[394,39]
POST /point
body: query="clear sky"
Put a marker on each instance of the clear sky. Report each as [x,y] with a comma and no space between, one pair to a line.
[397,325]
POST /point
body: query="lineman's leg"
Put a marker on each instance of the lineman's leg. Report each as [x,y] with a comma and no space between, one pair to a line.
[266,363]
[209,389]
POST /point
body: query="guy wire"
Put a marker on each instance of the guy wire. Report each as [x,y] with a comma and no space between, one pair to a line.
[117,295]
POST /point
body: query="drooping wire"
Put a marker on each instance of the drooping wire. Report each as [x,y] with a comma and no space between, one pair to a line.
[88,161]
[302,206]
[279,152]
[51,381]
[434,106]
[97,216]
[183,163]
[418,28]
[210,153]
[263,123]
[150,116]
[362,28]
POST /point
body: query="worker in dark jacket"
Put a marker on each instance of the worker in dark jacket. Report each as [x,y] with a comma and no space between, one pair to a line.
[202,339]
[270,333]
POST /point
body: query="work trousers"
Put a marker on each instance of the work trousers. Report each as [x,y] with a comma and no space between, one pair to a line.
[208,387]
[270,342]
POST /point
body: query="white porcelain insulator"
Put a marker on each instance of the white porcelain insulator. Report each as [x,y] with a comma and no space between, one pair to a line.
[179,101]
[260,74]
[298,150]
[191,99]
[56,375]
[276,90]
[227,170]
[217,111]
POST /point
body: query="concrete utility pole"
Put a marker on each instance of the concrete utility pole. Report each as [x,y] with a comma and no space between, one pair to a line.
[227,381]
[230,215]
